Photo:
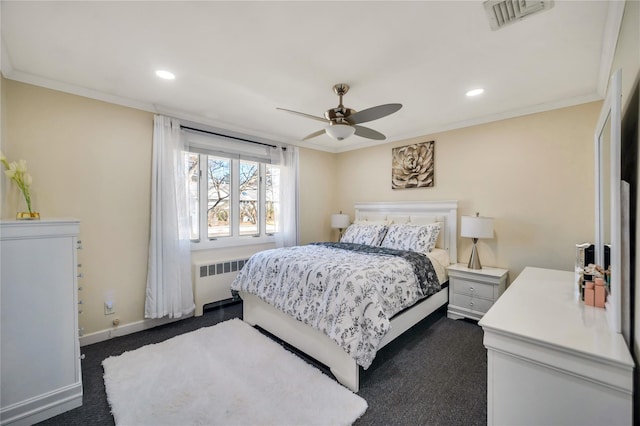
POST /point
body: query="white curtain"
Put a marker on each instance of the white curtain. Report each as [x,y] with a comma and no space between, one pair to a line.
[169,288]
[287,159]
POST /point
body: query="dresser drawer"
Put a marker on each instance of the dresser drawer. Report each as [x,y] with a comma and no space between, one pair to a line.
[472,288]
[471,303]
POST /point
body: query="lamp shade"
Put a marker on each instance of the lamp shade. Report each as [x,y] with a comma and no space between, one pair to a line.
[340,221]
[476,227]
[340,131]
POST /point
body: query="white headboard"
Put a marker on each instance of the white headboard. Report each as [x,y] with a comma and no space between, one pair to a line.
[418,212]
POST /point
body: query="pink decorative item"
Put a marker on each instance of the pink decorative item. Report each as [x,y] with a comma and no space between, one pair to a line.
[589,293]
[600,293]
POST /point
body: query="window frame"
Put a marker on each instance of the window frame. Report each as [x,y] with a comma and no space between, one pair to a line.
[235,239]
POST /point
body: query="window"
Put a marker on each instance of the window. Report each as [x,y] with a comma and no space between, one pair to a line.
[242,199]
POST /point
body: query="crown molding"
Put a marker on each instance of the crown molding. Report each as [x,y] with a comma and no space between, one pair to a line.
[233,130]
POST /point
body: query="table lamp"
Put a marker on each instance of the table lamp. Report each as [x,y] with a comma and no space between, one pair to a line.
[339,221]
[476,227]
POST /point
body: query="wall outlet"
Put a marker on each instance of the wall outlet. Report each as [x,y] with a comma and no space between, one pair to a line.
[109,308]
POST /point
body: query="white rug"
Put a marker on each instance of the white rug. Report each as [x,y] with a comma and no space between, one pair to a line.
[227,374]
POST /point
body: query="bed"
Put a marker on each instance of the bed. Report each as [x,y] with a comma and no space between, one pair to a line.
[338,346]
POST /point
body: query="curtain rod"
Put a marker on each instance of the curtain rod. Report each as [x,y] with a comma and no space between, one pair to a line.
[230,137]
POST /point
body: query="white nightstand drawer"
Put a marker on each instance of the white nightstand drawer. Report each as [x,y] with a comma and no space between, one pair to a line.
[472,288]
[473,291]
[472,303]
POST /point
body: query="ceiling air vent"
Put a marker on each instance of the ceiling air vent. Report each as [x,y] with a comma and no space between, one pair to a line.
[504,12]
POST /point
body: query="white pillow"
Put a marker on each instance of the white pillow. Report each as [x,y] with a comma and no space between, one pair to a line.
[418,238]
[359,233]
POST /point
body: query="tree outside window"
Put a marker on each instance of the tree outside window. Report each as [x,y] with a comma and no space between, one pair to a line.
[242,197]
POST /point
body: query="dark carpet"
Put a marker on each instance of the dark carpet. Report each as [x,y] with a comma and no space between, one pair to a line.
[434,374]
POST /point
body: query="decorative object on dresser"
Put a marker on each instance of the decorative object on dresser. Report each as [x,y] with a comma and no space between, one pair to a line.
[553,360]
[40,371]
[248,380]
[476,227]
[585,255]
[340,221]
[17,172]
[412,166]
[473,291]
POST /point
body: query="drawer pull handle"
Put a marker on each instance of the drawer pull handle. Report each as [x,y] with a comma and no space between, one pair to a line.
[470,303]
[471,288]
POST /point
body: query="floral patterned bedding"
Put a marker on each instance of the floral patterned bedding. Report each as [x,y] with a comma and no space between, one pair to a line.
[347,291]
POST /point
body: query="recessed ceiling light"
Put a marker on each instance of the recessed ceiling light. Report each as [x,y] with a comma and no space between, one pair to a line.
[475,92]
[167,75]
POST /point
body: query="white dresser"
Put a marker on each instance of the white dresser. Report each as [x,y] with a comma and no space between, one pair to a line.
[40,354]
[551,359]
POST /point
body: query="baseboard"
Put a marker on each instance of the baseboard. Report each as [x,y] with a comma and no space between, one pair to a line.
[123,330]
[42,407]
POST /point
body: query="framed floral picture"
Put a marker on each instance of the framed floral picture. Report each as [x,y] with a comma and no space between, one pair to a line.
[412,166]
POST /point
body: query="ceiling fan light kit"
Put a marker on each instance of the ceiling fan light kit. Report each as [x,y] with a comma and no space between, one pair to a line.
[340,131]
[343,121]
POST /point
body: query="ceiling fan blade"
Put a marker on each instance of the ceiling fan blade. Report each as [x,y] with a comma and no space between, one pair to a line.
[324,120]
[368,133]
[373,113]
[313,135]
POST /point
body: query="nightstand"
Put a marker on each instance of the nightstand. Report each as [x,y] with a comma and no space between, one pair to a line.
[473,291]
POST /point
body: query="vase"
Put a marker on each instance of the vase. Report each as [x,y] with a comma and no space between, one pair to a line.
[28,216]
[25,212]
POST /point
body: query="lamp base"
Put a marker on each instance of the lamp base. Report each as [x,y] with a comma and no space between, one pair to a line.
[474,260]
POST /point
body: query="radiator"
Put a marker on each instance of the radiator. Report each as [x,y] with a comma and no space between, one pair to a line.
[212,282]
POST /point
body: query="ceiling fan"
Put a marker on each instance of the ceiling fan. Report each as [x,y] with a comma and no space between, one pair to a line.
[344,122]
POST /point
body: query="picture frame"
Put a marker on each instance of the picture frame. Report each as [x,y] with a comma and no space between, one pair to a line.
[413,166]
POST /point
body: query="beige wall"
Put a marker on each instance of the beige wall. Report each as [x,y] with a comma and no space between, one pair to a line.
[318,194]
[91,160]
[533,174]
